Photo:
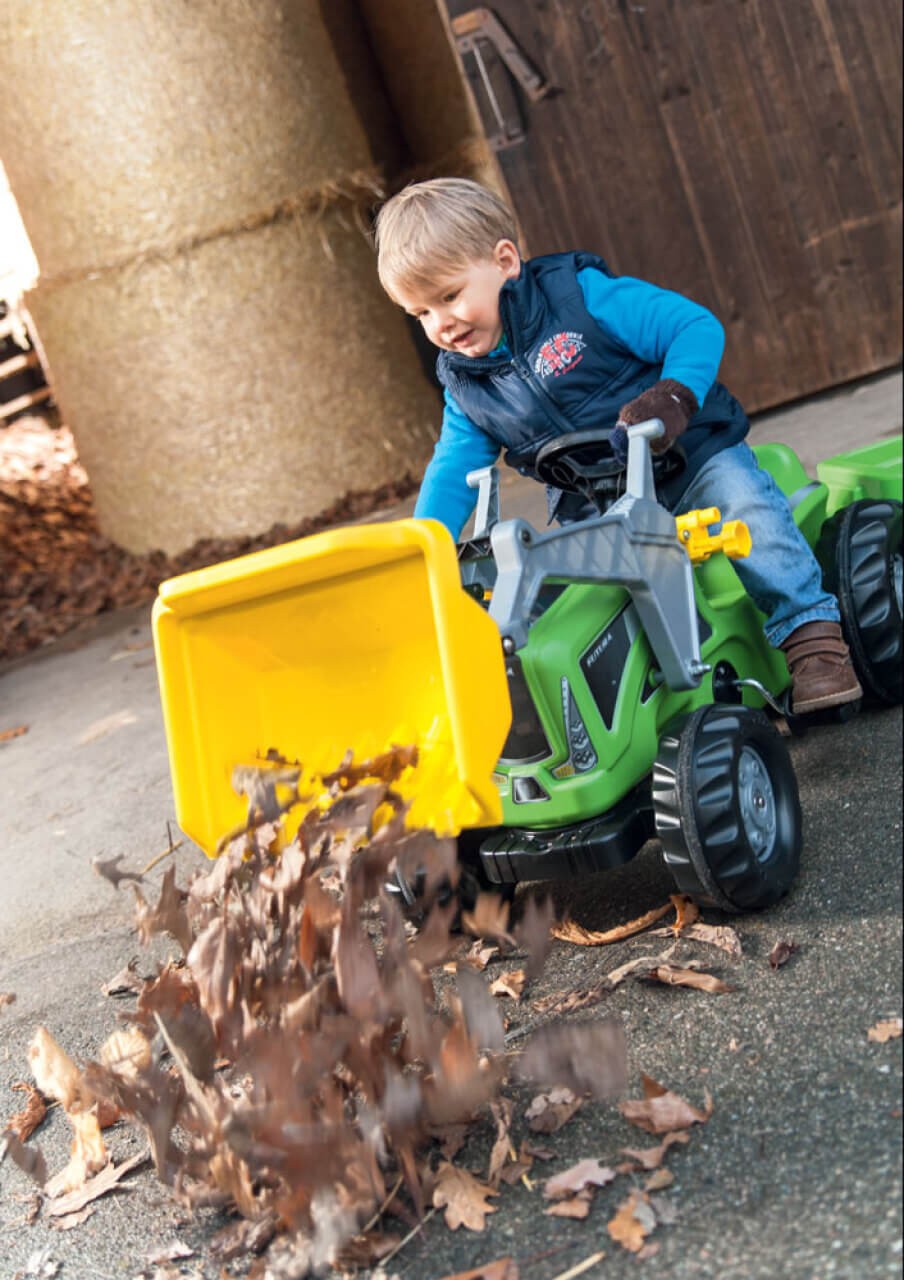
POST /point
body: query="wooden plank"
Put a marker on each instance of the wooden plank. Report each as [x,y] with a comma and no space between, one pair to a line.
[25,402]
[16,364]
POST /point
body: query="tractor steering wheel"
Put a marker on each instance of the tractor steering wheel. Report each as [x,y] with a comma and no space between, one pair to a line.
[583,462]
[580,462]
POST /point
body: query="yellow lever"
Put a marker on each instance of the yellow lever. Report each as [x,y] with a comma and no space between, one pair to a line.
[693,533]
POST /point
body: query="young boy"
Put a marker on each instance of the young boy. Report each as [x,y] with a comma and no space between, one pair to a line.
[533,348]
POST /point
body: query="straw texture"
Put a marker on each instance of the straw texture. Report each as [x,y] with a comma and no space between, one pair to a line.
[193,179]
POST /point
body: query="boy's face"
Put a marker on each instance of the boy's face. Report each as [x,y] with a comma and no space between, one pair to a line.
[460,310]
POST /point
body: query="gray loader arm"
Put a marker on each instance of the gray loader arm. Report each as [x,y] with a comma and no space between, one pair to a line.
[634,544]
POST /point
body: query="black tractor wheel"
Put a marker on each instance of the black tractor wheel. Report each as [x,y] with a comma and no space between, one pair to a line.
[727,808]
[860,552]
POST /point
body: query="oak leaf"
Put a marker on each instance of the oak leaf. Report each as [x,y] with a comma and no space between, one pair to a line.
[633,1222]
[584,1174]
[661,1111]
[464,1198]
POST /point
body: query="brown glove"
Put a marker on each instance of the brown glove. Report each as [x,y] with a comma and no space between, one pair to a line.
[669,400]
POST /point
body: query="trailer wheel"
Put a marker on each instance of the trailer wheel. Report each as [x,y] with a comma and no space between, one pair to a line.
[860,551]
[727,808]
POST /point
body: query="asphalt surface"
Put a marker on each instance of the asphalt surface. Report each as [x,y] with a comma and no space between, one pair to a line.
[796,1174]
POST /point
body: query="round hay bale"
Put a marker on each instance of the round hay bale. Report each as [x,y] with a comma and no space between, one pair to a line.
[251,381]
[130,126]
[209,311]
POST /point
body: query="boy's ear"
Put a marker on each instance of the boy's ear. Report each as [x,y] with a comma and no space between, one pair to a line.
[507,258]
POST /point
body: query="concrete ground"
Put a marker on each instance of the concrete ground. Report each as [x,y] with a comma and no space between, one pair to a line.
[798,1172]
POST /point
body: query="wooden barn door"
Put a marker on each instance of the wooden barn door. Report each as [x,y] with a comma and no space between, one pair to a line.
[745,152]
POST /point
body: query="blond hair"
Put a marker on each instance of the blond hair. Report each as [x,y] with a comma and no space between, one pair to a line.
[437,226]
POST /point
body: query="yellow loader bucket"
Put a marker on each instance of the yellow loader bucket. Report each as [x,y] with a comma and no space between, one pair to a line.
[358,639]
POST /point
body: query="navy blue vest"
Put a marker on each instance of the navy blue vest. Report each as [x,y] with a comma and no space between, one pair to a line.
[565,374]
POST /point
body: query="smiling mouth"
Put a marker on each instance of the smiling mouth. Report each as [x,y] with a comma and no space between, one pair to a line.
[463,338]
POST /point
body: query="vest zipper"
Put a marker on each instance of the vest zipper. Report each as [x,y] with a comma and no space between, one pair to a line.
[553,411]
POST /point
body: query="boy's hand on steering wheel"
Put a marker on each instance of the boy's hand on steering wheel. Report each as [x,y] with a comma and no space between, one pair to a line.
[670,401]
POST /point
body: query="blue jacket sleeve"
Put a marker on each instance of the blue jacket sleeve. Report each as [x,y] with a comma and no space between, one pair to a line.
[462,447]
[657,325]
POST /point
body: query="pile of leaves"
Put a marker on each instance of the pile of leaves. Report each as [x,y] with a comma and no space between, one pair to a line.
[57,569]
[302,1064]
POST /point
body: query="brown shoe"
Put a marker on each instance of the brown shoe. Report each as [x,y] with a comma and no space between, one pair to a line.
[820,667]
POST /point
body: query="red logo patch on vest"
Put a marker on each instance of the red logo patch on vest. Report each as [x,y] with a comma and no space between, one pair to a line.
[559,354]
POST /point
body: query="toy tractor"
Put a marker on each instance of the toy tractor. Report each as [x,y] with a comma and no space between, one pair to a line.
[570,694]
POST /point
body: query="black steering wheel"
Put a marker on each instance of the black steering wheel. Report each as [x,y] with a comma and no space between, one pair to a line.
[580,462]
[583,462]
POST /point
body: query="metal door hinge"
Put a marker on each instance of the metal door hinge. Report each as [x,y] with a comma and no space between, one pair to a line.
[497,61]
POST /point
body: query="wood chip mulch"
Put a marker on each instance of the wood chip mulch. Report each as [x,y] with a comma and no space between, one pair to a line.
[57,569]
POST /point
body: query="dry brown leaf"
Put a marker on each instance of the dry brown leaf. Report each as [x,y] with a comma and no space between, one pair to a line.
[108,1178]
[502,1145]
[639,965]
[489,919]
[69,1220]
[575,1207]
[464,1199]
[570,931]
[127,1052]
[7,997]
[549,1111]
[501,1269]
[721,936]
[479,954]
[87,1155]
[652,1157]
[24,1122]
[58,1077]
[672,976]
[661,1111]
[584,1174]
[567,1001]
[659,1179]
[6,735]
[886,1029]
[509,984]
[633,1222]
[686,911]
[781,953]
[588,1057]
[55,1073]
[534,932]
[126,982]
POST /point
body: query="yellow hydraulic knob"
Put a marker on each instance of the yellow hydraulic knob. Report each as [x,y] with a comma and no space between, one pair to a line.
[733,539]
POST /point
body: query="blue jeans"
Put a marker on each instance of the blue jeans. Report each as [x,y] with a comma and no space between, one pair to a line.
[781,574]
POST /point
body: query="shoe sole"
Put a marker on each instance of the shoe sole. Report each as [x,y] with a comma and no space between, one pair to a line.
[837,699]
